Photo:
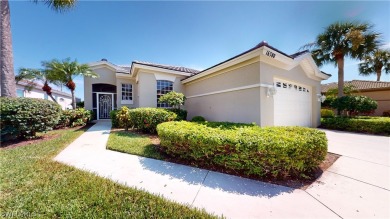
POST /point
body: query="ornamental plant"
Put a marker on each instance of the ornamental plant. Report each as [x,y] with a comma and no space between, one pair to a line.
[24,117]
[355,105]
[173,99]
[123,118]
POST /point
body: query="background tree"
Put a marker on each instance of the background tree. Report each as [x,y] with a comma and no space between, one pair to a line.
[7,74]
[33,75]
[340,40]
[66,70]
[375,63]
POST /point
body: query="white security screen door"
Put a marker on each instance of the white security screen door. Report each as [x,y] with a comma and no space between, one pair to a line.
[105,105]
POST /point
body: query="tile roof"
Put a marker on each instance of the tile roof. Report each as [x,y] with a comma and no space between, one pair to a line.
[169,67]
[358,85]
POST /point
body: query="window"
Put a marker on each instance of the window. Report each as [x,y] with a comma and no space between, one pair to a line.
[19,92]
[163,87]
[127,93]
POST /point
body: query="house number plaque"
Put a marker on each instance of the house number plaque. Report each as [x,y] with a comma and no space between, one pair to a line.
[270,54]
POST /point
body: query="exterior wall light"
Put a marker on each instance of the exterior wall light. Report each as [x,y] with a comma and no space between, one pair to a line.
[271,91]
[321,98]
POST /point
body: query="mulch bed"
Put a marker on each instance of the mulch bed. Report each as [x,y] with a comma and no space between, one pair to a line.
[290,181]
[25,142]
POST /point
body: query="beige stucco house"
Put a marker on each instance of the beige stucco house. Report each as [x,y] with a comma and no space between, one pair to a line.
[261,85]
[377,90]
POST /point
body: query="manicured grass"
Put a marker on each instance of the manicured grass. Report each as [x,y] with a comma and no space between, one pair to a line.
[33,185]
[132,143]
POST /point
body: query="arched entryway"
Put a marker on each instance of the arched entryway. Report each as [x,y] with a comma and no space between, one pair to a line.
[103,100]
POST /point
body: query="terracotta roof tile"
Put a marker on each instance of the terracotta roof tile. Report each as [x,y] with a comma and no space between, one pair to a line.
[169,67]
[358,85]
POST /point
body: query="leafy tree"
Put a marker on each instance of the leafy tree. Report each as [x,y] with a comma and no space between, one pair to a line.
[375,63]
[354,105]
[66,70]
[347,90]
[32,75]
[340,40]
[7,74]
[173,99]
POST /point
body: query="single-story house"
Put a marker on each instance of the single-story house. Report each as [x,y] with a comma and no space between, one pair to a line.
[377,90]
[261,85]
[30,89]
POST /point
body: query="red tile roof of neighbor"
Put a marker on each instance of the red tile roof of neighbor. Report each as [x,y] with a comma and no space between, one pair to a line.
[358,85]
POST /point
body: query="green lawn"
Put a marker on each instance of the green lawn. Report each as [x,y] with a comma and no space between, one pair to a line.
[132,143]
[34,186]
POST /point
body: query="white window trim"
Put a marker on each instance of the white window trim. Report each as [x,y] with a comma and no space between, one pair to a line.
[132,95]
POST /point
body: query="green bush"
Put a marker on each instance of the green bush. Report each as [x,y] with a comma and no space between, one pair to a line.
[328,102]
[181,114]
[123,117]
[371,125]
[327,113]
[355,105]
[114,119]
[245,148]
[197,119]
[147,119]
[73,118]
[24,117]
[173,99]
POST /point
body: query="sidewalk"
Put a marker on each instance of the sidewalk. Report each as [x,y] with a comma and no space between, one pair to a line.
[218,193]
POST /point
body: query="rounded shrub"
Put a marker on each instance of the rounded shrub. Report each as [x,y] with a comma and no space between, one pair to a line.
[197,119]
[180,113]
[327,113]
[144,119]
[272,151]
[73,118]
[355,105]
[114,119]
[24,117]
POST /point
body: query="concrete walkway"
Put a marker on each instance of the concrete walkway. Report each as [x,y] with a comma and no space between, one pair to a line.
[343,191]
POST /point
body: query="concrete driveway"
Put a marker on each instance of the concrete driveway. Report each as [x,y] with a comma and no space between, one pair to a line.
[358,183]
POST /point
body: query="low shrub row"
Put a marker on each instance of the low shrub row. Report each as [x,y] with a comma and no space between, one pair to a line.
[249,149]
[327,113]
[371,125]
[144,119]
[114,119]
[73,118]
[24,117]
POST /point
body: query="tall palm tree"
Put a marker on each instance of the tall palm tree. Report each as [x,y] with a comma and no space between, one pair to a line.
[66,70]
[340,40]
[375,63]
[7,74]
[32,75]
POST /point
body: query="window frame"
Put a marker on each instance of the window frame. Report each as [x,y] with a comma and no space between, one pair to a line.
[163,105]
[127,92]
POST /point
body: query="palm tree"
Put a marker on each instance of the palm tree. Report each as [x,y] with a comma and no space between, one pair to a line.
[7,74]
[31,75]
[340,40]
[66,70]
[375,63]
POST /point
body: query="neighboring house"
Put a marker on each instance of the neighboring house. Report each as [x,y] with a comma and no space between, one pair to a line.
[261,85]
[64,99]
[377,90]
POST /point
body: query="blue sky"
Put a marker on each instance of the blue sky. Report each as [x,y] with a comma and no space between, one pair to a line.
[191,34]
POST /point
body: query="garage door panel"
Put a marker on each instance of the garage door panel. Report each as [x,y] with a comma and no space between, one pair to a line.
[292,104]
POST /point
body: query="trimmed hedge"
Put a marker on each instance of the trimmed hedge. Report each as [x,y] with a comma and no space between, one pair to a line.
[144,119]
[249,149]
[181,114]
[371,125]
[198,119]
[73,118]
[327,113]
[24,117]
[114,119]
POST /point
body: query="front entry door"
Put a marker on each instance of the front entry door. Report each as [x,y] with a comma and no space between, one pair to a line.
[105,105]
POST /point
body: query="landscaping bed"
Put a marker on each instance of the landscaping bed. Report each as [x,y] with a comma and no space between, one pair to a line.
[34,186]
[362,124]
[126,142]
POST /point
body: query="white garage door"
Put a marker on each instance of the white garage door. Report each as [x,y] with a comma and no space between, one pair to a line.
[292,104]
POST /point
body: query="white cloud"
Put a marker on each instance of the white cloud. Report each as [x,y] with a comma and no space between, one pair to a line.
[386,46]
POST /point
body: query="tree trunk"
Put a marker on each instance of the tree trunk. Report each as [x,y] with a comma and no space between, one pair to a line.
[7,75]
[340,65]
[378,75]
[73,99]
[51,96]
